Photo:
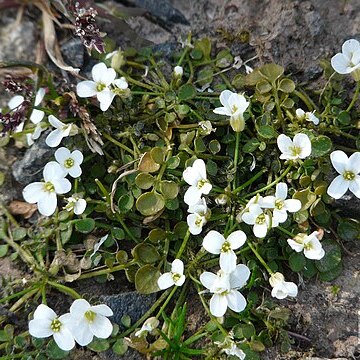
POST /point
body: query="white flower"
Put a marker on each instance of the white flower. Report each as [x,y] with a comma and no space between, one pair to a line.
[37,115]
[174,277]
[215,243]
[61,130]
[299,148]
[198,216]
[255,216]
[76,204]
[280,205]
[224,287]
[234,105]
[178,71]
[232,349]
[148,326]
[310,244]
[103,77]
[15,102]
[308,116]
[349,178]
[44,193]
[36,133]
[69,161]
[281,288]
[195,176]
[349,60]
[46,323]
[87,321]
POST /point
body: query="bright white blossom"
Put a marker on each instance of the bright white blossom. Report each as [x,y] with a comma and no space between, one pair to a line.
[46,323]
[44,193]
[69,161]
[299,148]
[224,287]
[310,244]
[258,218]
[281,288]
[178,71]
[76,204]
[198,216]
[196,177]
[87,321]
[37,115]
[233,105]
[215,243]
[103,77]
[174,277]
[280,204]
[148,327]
[349,178]
[349,60]
[61,130]
[234,350]
[308,116]
[35,134]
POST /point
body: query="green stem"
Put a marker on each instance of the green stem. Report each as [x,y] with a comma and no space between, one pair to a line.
[277,103]
[249,182]
[102,272]
[65,289]
[183,245]
[305,99]
[285,231]
[18,294]
[163,306]
[24,299]
[262,261]
[128,232]
[236,158]
[355,97]
[103,190]
[118,143]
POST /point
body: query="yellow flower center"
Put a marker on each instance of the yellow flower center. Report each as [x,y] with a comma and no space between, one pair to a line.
[198,221]
[234,109]
[260,219]
[176,277]
[69,163]
[279,204]
[90,316]
[201,183]
[49,187]
[348,175]
[55,325]
[308,246]
[225,247]
[100,87]
[295,150]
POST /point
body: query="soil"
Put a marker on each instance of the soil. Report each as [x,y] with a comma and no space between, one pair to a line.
[297,35]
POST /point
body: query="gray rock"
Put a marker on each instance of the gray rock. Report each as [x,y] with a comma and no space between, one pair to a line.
[29,168]
[73,52]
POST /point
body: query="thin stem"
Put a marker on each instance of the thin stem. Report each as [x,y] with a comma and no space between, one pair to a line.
[305,99]
[65,289]
[355,97]
[118,143]
[277,104]
[285,231]
[236,158]
[102,272]
[18,294]
[262,261]
[183,245]
[249,182]
[163,306]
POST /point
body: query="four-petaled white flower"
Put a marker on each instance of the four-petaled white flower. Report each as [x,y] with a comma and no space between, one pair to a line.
[61,130]
[148,327]
[349,60]
[69,161]
[87,321]
[76,204]
[178,71]
[46,323]
[198,216]
[215,243]
[281,288]
[44,193]
[225,287]
[299,148]
[308,116]
[233,105]
[103,77]
[195,176]
[255,216]
[280,204]
[310,244]
[349,178]
[174,277]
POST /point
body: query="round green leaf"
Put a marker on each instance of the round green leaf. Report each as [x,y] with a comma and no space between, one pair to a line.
[120,347]
[144,181]
[187,92]
[121,257]
[297,262]
[271,72]
[242,331]
[125,202]
[267,131]
[146,253]
[54,352]
[286,86]
[169,189]
[263,86]
[349,230]
[85,225]
[19,233]
[321,145]
[99,345]
[150,203]
[3,250]
[147,164]
[214,146]
[173,162]
[157,235]
[331,274]
[146,279]
[157,154]
[251,146]
[332,256]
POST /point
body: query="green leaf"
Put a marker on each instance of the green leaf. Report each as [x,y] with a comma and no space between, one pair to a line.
[344,118]
[199,145]
[214,146]
[150,203]
[309,269]
[205,76]
[157,235]
[3,250]
[158,155]
[54,352]
[251,146]
[263,86]
[224,59]
[349,230]
[120,347]
[144,181]
[121,257]
[267,131]
[297,262]
[173,162]
[204,46]
[321,145]
[125,202]
[287,86]
[85,225]
[169,189]
[332,256]
[19,233]
[146,253]
[306,197]
[271,72]
[186,92]
[147,164]
[242,331]
[331,274]
[99,345]
[65,234]
[146,279]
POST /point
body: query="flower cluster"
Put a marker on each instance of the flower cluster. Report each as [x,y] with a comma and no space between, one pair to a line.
[81,324]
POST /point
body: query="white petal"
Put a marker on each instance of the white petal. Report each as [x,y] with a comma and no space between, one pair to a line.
[236,301]
[121,83]
[15,101]
[279,216]
[303,142]
[313,254]
[37,132]
[268,202]
[213,241]
[80,206]
[239,276]
[101,327]
[62,186]
[260,231]
[218,305]
[248,218]
[75,171]
[354,186]
[338,187]
[191,220]
[208,279]
[44,312]
[105,98]
[165,281]
[47,204]
[62,154]
[236,239]
[200,167]
[33,192]
[284,143]
[102,309]
[108,76]
[39,96]
[222,111]
[291,288]
[79,307]
[281,191]
[64,339]
[341,64]
[206,188]
[300,113]
[191,175]
[177,266]
[77,156]
[55,122]
[279,292]
[40,328]
[181,281]
[224,97]
[192,195]
[292,205]
[85,89]
[239,102]
[54,138]
[52,171]
[354,163]
[339,161]
[97,71]
[36,116]
[295,245]
[82,334]
[349,47]
[228,261]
